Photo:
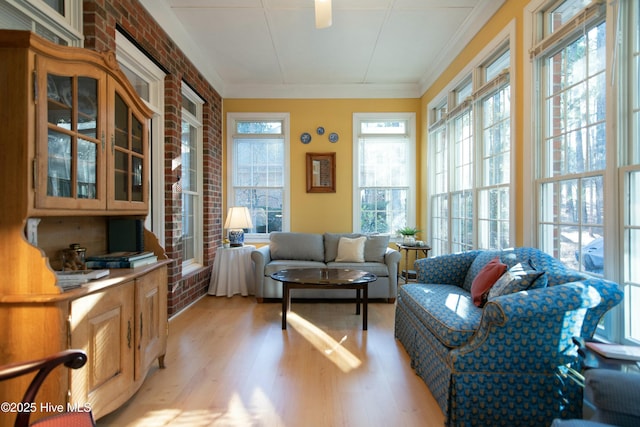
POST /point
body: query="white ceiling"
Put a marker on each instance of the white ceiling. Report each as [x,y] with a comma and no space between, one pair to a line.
[271,48]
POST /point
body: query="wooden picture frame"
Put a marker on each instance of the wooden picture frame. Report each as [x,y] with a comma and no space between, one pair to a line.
[321,172]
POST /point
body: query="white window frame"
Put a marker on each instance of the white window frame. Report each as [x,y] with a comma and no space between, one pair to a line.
[617,136]
[192,264]
[39,17]
[232,119]
[440,116]
[409,170]
[628,324]
[134,59]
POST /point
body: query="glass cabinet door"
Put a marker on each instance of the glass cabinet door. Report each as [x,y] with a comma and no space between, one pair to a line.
[70,163]
[129,152]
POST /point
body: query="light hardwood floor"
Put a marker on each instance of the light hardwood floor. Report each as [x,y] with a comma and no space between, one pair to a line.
[229,363]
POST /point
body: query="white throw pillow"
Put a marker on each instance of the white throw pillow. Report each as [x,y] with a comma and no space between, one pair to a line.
[351,250]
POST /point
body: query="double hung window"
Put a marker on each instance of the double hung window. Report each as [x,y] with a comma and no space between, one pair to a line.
[148,80]
[572,145]
[57,20]
[190,182]
[384,172]
[630,169]
[469,161]
[586,144]
[258,170]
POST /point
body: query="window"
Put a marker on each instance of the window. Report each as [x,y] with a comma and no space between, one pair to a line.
[384,172]
[469,161]
[573,148]
[190,183]
[493,189]
[258,159]
[631,170]
[586,144]
[462,149]
[148,81]
[59,21]
[439,176]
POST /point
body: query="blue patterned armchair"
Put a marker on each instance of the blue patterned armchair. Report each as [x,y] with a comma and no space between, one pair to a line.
[505,363]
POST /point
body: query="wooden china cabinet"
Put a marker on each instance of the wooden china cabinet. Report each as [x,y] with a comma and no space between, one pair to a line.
[74,152]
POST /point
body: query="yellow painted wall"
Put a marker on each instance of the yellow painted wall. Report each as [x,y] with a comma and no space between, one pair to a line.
[332,212]
[323,212]
[512,10]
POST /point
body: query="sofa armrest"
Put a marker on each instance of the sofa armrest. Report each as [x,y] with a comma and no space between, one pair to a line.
[450,269]
[610,294]
[392,259]
[529,331]
[261,257]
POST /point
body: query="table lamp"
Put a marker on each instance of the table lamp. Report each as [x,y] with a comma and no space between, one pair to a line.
[238,219]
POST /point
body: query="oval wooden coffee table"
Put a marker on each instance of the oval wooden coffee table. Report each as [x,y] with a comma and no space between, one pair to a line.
[325,278]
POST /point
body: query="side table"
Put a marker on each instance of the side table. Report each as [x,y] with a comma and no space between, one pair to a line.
[589,359]
[232,272]
[406,273]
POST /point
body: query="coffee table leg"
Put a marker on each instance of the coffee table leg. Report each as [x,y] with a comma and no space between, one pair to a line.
[358,301]
[285,304]
[365,303]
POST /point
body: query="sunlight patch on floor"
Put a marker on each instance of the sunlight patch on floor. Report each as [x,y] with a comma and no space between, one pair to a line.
[237,414]
[332,349]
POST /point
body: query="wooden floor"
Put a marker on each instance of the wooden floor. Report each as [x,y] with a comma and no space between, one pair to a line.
[229,363]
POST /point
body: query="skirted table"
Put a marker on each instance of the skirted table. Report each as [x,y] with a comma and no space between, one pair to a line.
[232,272]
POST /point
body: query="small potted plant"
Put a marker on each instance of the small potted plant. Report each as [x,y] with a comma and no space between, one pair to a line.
[408,235]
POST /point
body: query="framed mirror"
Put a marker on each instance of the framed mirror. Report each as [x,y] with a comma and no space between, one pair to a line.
[321,172]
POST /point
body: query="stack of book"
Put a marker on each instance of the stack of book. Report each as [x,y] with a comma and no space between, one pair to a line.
[73,279]
[121,260]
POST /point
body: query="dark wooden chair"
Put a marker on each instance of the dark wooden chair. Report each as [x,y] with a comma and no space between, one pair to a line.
[72,359]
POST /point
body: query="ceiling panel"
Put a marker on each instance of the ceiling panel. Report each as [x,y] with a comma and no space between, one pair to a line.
[263,43]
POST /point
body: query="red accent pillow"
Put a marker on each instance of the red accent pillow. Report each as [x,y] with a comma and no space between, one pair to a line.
[485,279]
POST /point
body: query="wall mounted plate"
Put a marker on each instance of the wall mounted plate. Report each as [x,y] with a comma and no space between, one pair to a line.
[333,137]
[320,130]
[305,138]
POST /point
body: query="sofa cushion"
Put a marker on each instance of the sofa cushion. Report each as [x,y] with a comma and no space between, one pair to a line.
[296,246]
[485,279]
[378,268]
[283,264]
[351,250]
[478,264]
[375,246]
[520,277]
[446,310]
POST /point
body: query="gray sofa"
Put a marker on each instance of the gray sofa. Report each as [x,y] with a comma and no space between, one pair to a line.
[303,250]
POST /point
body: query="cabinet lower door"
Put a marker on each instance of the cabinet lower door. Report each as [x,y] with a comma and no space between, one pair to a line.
[102,324]
[151,319]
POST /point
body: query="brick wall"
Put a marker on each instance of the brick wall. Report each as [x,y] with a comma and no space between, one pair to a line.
[101,17]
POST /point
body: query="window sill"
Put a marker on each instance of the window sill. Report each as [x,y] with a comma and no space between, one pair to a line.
[190,269]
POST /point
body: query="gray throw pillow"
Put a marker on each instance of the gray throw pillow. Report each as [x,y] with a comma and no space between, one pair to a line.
[375,247]
[520,277]
[331,241]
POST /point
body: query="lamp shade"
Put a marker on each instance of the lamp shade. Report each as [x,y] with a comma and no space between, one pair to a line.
[323,13]
[238,218]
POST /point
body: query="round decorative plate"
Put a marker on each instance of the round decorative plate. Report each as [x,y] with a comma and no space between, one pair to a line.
[333,137]
[305,138]
[320,130]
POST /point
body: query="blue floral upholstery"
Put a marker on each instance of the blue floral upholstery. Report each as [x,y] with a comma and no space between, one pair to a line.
[506,363]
